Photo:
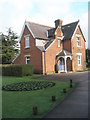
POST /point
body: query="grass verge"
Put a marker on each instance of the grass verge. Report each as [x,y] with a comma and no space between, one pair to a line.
[87,68]
[20,104]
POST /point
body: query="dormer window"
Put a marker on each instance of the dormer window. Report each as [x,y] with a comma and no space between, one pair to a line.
[27,42]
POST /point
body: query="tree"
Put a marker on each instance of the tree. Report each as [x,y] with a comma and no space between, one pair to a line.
[9,46]
[88,57]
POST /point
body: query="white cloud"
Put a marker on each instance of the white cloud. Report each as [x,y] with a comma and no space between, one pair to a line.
[84,26]
[14,12]
[49,11]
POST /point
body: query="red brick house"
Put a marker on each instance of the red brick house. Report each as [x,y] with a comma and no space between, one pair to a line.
[44,46]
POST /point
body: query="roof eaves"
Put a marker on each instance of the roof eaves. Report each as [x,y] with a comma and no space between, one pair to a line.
[82,34]
[75,30]
[49,44]
[30,30]
[25,24]
[42,38]
[41,48]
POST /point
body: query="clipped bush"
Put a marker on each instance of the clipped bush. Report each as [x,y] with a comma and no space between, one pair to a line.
[27,70]
[28,86]
[17,70]
[56,68]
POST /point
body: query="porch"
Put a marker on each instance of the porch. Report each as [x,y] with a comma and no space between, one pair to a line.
[64,60]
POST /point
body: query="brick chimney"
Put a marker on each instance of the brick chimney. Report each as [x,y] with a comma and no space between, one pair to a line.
[58,22]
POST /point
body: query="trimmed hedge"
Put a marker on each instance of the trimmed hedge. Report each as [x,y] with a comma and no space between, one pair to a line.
[17,70]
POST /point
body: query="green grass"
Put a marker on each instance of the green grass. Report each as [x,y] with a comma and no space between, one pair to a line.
[20,104]
[87,68]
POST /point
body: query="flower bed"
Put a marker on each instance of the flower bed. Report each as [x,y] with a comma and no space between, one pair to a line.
[28,86]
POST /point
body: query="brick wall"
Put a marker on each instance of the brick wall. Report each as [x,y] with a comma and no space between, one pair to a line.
[52,51]
[34,53]
[38,59]
[67,45]
[76,50]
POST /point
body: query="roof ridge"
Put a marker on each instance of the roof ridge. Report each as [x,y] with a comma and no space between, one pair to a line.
[69,23]
[39,24]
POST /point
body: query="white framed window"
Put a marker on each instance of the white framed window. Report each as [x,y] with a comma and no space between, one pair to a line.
[27,43]
[28,60]
[78,40]
[79,59]
[59,43]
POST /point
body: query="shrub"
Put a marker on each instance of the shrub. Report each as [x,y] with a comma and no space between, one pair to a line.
[28,86]
[56,68]
[17,70]
[27,70]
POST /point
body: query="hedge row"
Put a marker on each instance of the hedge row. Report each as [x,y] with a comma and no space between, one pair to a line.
[17,70]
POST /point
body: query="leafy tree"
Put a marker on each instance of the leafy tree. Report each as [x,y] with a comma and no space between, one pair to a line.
[88,57]
[9,46]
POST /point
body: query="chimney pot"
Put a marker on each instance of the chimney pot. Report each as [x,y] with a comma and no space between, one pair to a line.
[58,22]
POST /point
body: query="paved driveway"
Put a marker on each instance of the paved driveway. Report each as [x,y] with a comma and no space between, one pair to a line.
[76,104]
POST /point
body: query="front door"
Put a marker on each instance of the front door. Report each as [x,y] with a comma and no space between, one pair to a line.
[61,65]
[69,65]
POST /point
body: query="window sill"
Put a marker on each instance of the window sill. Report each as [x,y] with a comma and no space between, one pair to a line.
[27,47]
[79,46]
[79,65]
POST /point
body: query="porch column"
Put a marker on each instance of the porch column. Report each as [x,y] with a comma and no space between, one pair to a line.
[65,64]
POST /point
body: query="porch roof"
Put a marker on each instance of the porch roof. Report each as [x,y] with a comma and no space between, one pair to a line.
[64,53]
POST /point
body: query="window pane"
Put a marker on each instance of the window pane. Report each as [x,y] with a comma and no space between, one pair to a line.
[58,42]
[78,41]
[27,60]
[78,38]
[27,41]
[28,57]
[79,59]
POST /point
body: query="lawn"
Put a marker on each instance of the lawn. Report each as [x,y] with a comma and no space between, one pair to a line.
[19,104]
[87,68]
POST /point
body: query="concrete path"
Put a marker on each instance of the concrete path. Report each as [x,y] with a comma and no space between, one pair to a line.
[76,104]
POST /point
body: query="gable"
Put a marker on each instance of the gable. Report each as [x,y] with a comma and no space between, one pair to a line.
[39,31]
[82,33]
[46,33]
[68,30]
[25,25]
[58,32]
[78,31]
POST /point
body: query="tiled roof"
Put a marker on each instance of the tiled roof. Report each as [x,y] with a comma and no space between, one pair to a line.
[64,53]
[68,30]
[51,32]
[40,32]
[48,43]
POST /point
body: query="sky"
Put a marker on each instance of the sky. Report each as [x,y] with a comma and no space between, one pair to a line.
[13,13]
